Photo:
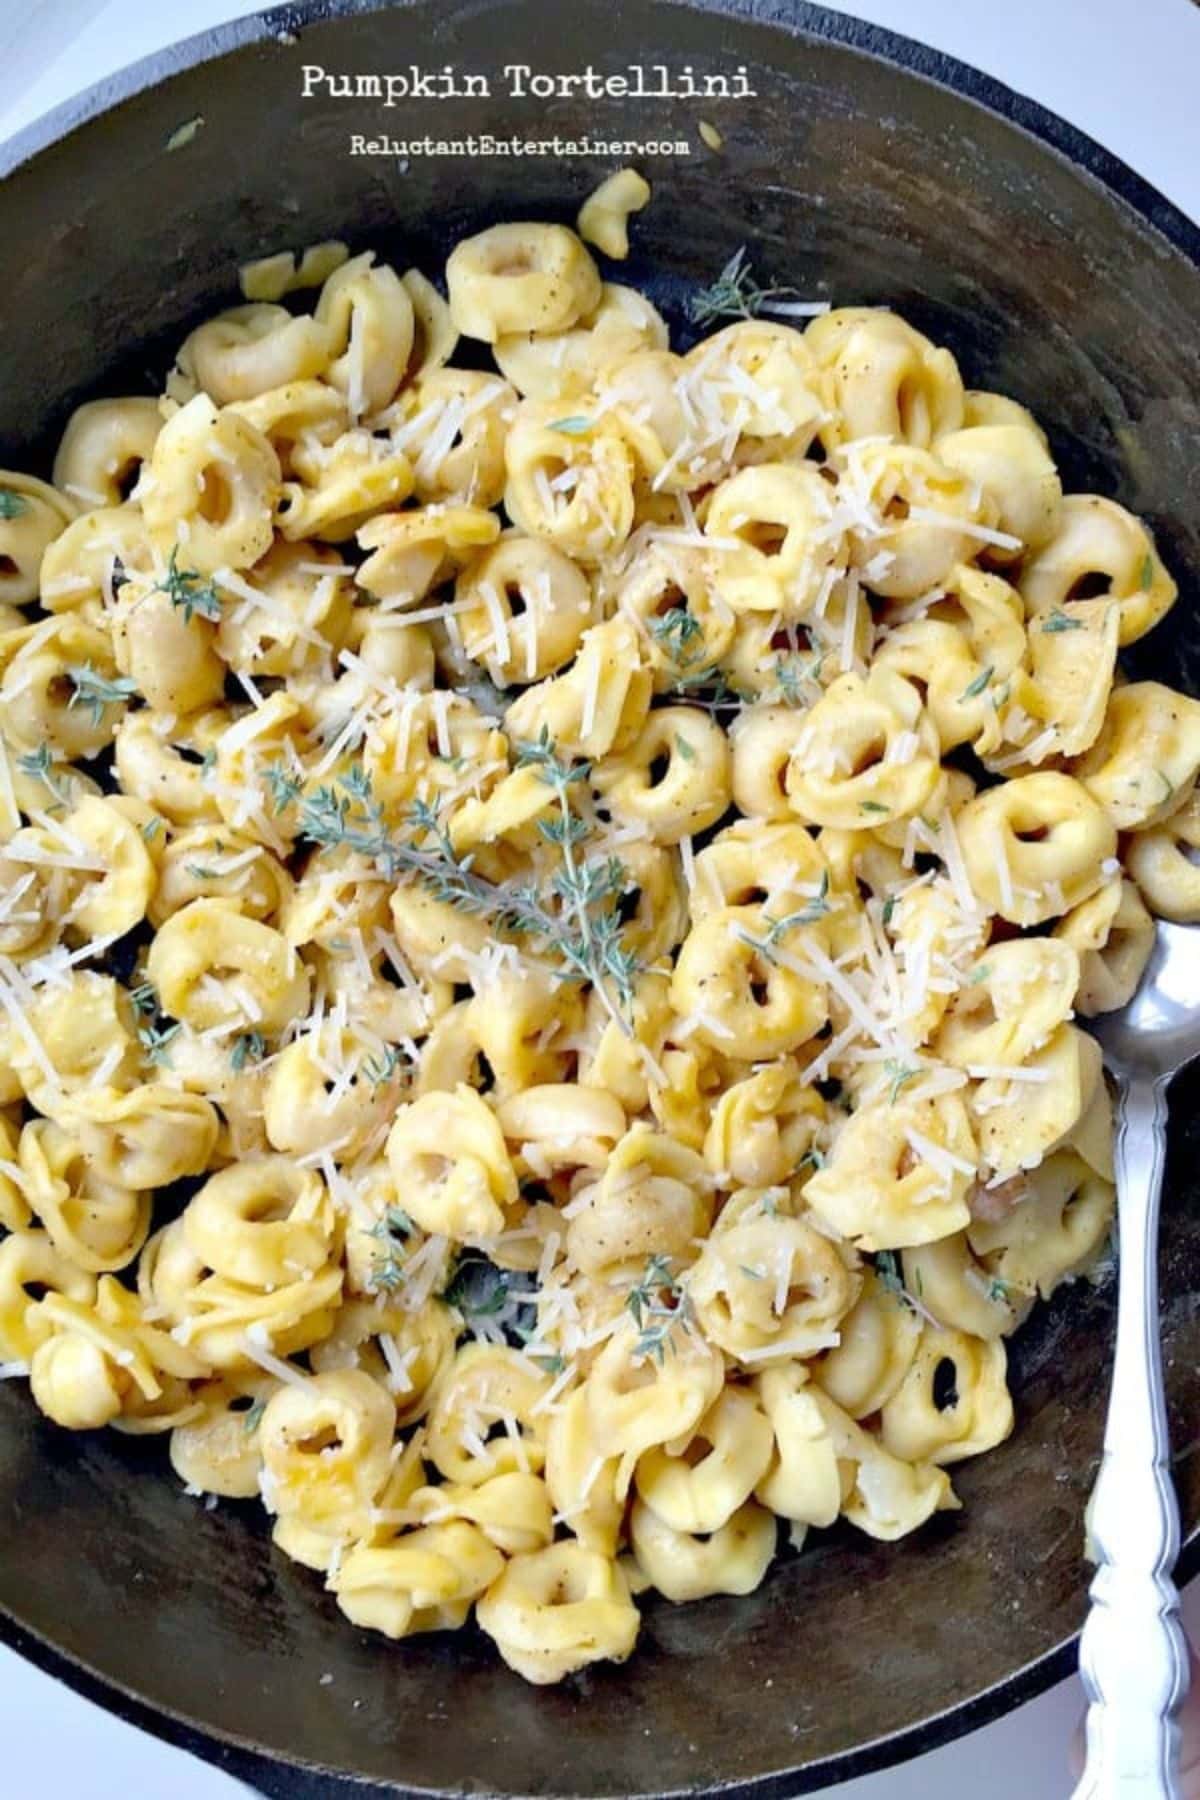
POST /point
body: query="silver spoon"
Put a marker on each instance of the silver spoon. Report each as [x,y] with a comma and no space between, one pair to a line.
[1132,1654]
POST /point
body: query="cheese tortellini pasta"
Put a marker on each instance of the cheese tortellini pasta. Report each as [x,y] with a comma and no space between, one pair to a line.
[544,897]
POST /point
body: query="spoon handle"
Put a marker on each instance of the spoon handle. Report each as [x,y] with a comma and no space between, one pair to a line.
[1132,1653]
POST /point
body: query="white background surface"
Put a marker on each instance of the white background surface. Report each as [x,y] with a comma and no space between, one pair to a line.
[1126,74]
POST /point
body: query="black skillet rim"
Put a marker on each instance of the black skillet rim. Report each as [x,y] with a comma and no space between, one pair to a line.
[239,1757]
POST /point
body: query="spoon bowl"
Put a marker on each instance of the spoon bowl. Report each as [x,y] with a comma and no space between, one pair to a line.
[1158,1032]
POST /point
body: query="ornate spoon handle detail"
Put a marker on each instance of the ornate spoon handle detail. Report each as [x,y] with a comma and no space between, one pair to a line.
[1132,1653]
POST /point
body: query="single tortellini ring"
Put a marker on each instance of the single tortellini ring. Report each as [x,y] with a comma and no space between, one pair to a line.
[733,1560]
[300,413]
[217,1450]
[764,1126]
[212,481]
[773,542]
[30,1267]
[878,1342]
[1053,1235]
[435,335]
[898,1173]
[32,515]
[674,779]
[651,1200]
[422,1581]
[212,966]
[560,1125]
[953,1401]
[113,897]
[450,1164]
[1014,996]
[252,349]
[883,378]
[562,365]
[305,1109]
[688,626]
[867,754]
[306,611]
[145,1138]
[76,1029]
[97,1223]
[1033,847]
[83,567]
[636,1402]
[596,706]
[767,1289]
[523,607]
[1146,756]
[762,739]
[367,323]
[326,1444]
[62,689]
[261,1222]
[454,424]
[212,862]
[1114,935]
[756,393]
[103,447]
[412,551]
[520,277]
[486,1418]
[1017,474]
[749,989]
[1163,863]
[957,1291]
[513,1510]
[338,489]
[171,657]
[803,1480]
[167,764]
[1021,1118]
[924,518]
[1097,541]
[74,1382]
[698,1485]
[582,1480]
[572,490]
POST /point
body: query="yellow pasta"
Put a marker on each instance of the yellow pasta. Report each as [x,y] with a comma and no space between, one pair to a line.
[585,858]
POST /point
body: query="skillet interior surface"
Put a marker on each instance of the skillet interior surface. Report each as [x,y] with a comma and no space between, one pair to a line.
[865,170]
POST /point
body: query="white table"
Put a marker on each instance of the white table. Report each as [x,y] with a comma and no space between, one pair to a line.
[1127,75]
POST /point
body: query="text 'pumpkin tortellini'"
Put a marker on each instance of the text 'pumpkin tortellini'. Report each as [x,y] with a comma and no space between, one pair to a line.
[769,1288]
[1033,847]
[519,278]
[898,1173]
[450,1164]
[867,754]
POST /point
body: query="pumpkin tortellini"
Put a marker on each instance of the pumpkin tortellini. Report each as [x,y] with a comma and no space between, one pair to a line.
[546,893]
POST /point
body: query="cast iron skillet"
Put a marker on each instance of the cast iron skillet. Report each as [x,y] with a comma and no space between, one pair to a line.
[867,169]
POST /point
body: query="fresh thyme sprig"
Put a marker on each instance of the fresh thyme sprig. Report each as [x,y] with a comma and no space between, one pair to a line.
[675,632]
[899,1075]
[188,590]
[380,1069]
[793,672]
[808,914]
[249,1047]
[96,691]
[585,935]
[391,1233]
[12,504]
[658,1303]
[477,1287]
[39,763]
[155,1040]
[734,294]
